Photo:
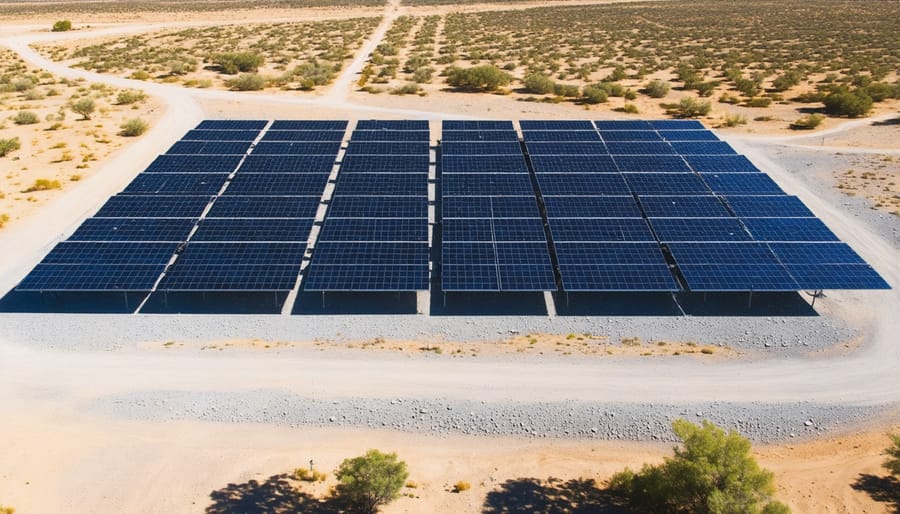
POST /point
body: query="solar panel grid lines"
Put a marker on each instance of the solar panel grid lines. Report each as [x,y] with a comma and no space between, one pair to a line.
[609,253]
[220,135]
[488,184]
[609,136]
[479,136]
[154,206]
[610,278]
[650,164]
[560,135]
[374,278]
[374,230]
[817,253]
[521,254]
[836,276]
[194,164]
[118,253]
[591,207]
[582,184]
[383,184]
[469,253]
[287,164]
[370,253]
[232,125]
[788,229]
[744,253]
[640,148]
[543,164]
[483,164]
[471,148]
[238,253]
[688,135]
[134,229]
[392,125]
[701,206]
[330,148]
[518,229]
[738,277]
[699,229]
[735,184]
[200,277]
[209,148]
[390,206]
[176,184]
[528,277]
[254,229]
[384,164]
[477,125]
[561,125]
[390,136]
[470,277]
[387,148]
[704,148]
[666,184]
[236,206]
[719,163]
[309,136]
[91,277]
[775,206]
[281,184]
[566,148]
[309,125]
[611,125]
[579,230]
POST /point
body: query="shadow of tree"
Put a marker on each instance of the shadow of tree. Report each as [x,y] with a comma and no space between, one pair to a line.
[275,495]
[553,496]
[890,121]
[882,489]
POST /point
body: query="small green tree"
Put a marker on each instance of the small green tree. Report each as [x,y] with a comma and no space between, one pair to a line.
[477,78]
[850,104]
[134,127]
[25,118]
[893,453]
[369,481]
[713,473]
[690,107]
[85,107]
[593,95]
[233,62]
[62,26]
[538,84]
[9,145]
[247,82]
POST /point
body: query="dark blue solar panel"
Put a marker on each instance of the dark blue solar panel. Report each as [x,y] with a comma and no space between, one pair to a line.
[518,229]
[591,207]
[742,184]
[623,125]
[186,277]
[478,148]
[676,184]
[466,207]
[556,125]
[722,253]
[479,135]
[391,135]
[699,229]
[567,148]
[392,125]
[703,148]
[383,184]
[483,184]
[209,148]
[297,148]
[609,254]
[676,125]
[385,164]
[332,254]
[242,254]
[483,164]
[265,207]
[303,135]
[688,135]
[720,163]
[599,229]
[560,135]
[527,278]
[220,135]
[779,206]
[617,278]
[72,252]
[232,124]
[469,254]
[515,254]
[737,277]
[651,164]
[153,206]
[254,229]
[288,184]
[91,277]
[582,184]
[387,148]
[374,229]
[134,229]
[836,276]
[789,229]
[189,184]
[514,207]
[684,207]
[815,253]
[366,278]
[477,125]
[469,278]
[639,148]
[378,207]
[573,164]
[630,135]
[464,230]
[287,164]
[194,164]
[309,125]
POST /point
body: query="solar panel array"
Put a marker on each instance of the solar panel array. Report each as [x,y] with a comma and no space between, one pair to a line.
[375,236]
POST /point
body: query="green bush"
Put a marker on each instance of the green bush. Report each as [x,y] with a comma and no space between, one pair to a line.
[593,95]
[807,122]
[43,184]
[406,89]
[25,118]
[538,84]
[477,78]
[9,145]
[630,109]
[234,62]
[879,91]
[787,80]
[134,127]
[247,82]
[369,481]
[423,74]
[892,464]
[850,104]
[733,120]
[657,88]
[690,107]
[310,74]
[62,26]
[759,101]
[85,107]
[130,96]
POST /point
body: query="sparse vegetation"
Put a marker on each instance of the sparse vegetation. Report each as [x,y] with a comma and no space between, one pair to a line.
[43,184]
[4,218]
[25,118]
[9,145]
[370,481]
[690,107]
[84,107]
[461,486]
[892,464]
[130,96]
[134,127]
[478,78]
[62,26]
[657,88]
[807,122]
[234,62]
[309,475]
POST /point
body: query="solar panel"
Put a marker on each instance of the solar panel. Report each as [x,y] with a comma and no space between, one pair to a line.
[556,125]
[561,135]
[518,229]
[239,253]
[479,148]
[651,164]
[286,184]
[297,148]
[477,125]
[519,254]
[469,278]
[639,148]
[582,184]
[688,135]
[720,163]
[676,125]
[153,206]
[566,148]
[464,230]
[722,253]
[599,229]
[303,135]
[387,148]
[815,253]
[591,207]
[467,207]
[232,124]
[72,252]
[415,184]
[392,125]
[776,206]
[134,229]
[630,135]
[527,278]
[483,164]
[374,229]
[209,148]
[478,184]
[287,164]
[514,207]
[91,277]
[346,254]
[836,276]
[378,207]
[391,135]
[385,164]
[470,254]
[623,125]
[699,229]
[316,125]
[617,278]
[789,229]
[220,135]
[265,207]
[573,164]
[684,207]
[194,164]
[703,148]
[609,254]
[189,184]
[254,229]
[479,135]
[675,184]
[737,277]
[366,278]
[183,277]
[753,184]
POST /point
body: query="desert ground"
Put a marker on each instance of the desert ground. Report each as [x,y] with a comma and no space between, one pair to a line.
[170,413]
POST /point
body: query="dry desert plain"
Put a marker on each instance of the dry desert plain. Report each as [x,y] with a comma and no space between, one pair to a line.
[168,413]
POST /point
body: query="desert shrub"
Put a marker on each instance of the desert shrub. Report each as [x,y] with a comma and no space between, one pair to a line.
[759,101]
[134,127]
[309,475]
[706,88]
[9,145]
[538,84]
[85,107]
[406,89]
[3,219]
[850,104]
[62,26]
[247,82]
[369,481]
[892,464]
[593,95]
[130,96]
[423,74]
[880,91]
[807,122]
[566,90]
[140,75]
[786,80]
[43,184]
[733,120]
[234,62]
[630,94]
[34,94]
[630,109]
[181,66]
[461,486]
[25,118]
[729,99]
[690,107]
[310,74]
[485,77]
[22,84]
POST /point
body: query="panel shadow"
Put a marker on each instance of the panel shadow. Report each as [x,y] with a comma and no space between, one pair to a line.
[71,302]
[745,304]
[488,304]
[336,302]
[215,303]
[615,304]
